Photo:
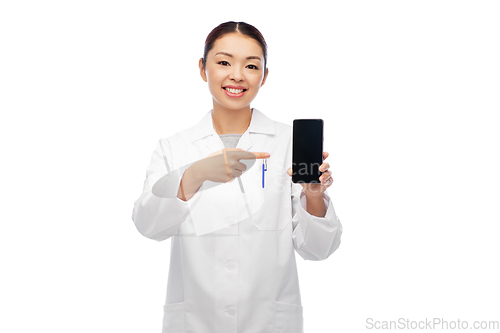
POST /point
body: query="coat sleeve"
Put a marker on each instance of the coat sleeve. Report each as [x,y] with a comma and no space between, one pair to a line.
[158,212]
[314,238]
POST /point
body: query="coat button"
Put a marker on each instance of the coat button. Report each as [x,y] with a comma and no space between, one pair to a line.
[230,265]
[231,221]
[231,311]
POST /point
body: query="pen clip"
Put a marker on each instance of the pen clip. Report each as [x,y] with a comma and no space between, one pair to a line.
[264,168]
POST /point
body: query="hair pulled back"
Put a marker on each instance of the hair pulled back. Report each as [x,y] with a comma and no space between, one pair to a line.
[231,27]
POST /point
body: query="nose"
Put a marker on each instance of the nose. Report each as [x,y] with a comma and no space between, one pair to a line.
[237,74]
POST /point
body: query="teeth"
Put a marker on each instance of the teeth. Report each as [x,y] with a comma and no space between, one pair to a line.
[234,91]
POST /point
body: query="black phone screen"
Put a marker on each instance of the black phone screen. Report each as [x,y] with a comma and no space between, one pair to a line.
[307,151]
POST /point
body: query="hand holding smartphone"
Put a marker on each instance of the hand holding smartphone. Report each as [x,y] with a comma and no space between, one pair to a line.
[307,151]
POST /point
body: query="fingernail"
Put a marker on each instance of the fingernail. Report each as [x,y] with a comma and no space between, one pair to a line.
[267,155]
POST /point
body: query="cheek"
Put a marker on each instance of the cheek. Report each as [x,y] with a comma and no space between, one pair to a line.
[256,85]
[257,81]
[214,77]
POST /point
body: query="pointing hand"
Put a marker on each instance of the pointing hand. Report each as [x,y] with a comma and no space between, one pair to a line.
[224,165]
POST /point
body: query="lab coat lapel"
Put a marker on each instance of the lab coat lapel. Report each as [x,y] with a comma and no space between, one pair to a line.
[204,136]
[245,141]
[213,143]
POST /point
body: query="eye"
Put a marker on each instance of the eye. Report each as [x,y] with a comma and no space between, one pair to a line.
[220,62]
[255,67]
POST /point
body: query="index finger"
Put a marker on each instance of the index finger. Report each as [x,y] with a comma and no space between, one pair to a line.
[249,155]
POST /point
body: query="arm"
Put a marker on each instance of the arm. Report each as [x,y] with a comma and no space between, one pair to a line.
[314,238]
[315,205]
[159,211]
[190,184]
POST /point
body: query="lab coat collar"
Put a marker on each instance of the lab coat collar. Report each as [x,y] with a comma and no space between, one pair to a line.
[258,124]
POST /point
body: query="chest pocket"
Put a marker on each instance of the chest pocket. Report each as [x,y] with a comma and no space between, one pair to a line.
[269,207]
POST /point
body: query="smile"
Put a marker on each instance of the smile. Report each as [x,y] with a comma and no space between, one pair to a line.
[234,92]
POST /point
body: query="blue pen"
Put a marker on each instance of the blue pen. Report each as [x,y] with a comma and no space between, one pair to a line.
[264,168]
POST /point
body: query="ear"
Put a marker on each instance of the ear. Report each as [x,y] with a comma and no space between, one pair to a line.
[202,70]
[265,77]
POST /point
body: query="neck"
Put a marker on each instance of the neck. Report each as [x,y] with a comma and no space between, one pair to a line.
[228,121]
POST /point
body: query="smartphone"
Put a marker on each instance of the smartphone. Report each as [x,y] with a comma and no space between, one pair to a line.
[307,150]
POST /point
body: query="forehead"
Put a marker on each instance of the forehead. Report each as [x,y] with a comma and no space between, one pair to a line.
[238,45]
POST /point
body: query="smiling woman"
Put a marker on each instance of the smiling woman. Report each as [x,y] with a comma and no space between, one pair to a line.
[234,64]
[232,261]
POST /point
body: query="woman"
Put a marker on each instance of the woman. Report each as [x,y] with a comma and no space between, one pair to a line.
[232,264]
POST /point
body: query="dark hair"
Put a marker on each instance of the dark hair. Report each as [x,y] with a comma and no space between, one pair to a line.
[230,27]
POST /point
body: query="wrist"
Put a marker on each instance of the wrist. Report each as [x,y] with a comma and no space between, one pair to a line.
[313,195]
[196,171]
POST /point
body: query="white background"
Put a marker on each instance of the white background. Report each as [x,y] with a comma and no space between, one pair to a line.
[409,91]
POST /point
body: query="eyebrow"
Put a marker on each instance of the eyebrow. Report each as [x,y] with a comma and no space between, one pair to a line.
[230,55]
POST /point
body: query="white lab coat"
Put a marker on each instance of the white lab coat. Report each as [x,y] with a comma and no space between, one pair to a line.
[232,262]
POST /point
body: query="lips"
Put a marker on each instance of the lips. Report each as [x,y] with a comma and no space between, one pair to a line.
[234,94]
[233,89]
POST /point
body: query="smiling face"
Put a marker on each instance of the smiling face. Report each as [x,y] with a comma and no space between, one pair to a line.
[236,63]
